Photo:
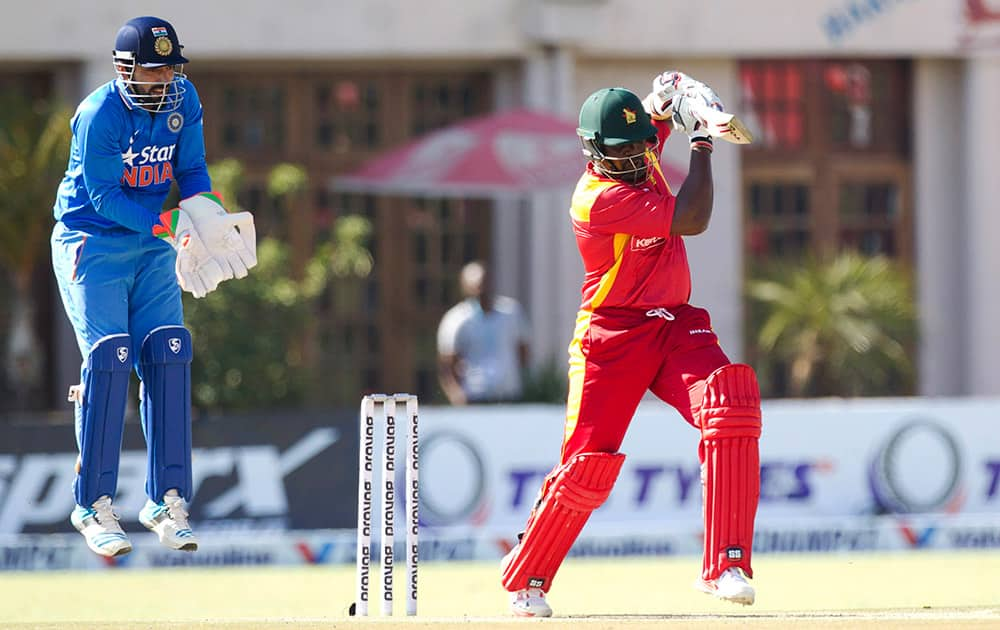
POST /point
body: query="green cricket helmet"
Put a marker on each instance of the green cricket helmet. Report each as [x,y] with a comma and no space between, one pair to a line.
[612,117]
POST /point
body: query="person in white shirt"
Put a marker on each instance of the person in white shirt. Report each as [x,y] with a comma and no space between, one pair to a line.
[482,343]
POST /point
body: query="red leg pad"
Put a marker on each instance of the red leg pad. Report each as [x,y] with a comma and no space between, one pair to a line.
[730,434]
[577,488]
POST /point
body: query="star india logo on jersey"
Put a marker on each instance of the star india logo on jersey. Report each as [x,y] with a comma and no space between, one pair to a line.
[150,165]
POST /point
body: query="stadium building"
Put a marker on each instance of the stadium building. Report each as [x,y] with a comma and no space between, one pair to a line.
[874,124]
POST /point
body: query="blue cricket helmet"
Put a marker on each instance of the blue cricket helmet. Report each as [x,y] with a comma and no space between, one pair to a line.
[149,42]
[152,41]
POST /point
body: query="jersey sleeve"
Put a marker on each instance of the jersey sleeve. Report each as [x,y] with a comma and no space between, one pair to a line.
[192,170]
[663,128]
[447,334]
[102,167]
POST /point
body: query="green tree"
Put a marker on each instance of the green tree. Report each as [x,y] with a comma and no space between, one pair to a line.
[546,383]
[34,145]
[250,335]
[844,327]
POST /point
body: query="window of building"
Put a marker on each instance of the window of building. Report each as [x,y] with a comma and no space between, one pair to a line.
[255,116]
[830,169]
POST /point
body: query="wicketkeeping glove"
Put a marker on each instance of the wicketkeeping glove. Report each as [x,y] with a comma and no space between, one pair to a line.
[197,270]
[230,238]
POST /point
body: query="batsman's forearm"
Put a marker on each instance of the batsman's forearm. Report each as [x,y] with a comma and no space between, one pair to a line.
[693,207]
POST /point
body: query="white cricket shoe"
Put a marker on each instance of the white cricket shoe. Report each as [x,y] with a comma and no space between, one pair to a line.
[730,586]
[529,602]
[168,520]
[99,525]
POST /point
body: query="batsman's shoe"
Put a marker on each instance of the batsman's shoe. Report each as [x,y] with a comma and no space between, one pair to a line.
[529,602]
[99,525]
[168,520]
[730,586]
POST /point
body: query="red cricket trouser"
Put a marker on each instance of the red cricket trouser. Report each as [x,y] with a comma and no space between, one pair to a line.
[618,354]
[615,357]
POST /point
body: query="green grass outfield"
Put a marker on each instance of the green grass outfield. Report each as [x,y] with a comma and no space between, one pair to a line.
[906,590]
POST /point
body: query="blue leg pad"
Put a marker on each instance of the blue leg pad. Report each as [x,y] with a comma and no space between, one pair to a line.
[165,363]
[101,417]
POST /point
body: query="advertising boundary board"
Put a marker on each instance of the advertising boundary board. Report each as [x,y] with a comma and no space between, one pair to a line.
[819,459]
[251,471]
[333,547]
[837,476]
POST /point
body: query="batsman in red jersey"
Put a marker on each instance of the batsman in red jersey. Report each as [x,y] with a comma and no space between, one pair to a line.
[636,331]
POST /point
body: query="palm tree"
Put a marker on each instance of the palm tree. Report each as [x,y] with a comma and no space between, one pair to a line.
[34,145]
[844,327]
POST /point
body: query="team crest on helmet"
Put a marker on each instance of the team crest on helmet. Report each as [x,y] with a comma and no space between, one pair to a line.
[162,46]
[629,115]
[174,122]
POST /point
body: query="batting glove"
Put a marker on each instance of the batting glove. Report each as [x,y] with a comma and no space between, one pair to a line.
[687,116]
[660,101]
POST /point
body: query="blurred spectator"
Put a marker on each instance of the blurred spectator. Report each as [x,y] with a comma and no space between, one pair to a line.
[482,343]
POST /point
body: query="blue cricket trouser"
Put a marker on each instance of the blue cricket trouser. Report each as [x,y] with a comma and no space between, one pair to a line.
[114,281]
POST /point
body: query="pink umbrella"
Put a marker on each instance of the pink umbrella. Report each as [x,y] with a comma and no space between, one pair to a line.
[510,152]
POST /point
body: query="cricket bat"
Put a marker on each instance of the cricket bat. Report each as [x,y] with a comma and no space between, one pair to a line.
[724,125]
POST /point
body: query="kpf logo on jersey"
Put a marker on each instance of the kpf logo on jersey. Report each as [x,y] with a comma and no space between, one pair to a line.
[648,242]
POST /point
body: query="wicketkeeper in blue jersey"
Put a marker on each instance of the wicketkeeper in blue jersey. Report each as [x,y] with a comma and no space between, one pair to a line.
[121,263]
